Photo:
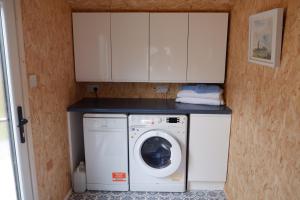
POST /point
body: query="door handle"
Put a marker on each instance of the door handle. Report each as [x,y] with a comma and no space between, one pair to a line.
[22,122]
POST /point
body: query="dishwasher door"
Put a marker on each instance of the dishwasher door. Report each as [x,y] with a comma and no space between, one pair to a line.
[106,151]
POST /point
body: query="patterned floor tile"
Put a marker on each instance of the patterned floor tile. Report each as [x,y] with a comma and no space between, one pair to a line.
[192,195]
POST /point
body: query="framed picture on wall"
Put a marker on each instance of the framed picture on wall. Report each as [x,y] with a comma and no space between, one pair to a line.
[265,36]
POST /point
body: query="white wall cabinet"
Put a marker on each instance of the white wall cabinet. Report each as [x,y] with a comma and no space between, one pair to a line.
[207,47]
[174,47]
[92,48]
[208,151]
[130,47]
[168,47]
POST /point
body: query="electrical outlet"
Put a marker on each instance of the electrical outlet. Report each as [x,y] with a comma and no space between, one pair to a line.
[91,88]
[33,81]
[162,89]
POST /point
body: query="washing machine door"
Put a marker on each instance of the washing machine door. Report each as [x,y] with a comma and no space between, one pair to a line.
[157,153]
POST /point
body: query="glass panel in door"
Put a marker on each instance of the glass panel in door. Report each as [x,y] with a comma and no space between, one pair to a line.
[8,172]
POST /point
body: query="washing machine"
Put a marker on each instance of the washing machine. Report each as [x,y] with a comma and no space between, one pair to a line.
[157,153]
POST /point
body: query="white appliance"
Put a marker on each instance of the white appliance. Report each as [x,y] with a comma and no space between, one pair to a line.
[106,151]
[157,152]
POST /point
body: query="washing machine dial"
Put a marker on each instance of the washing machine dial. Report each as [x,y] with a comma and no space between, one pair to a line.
[158,121]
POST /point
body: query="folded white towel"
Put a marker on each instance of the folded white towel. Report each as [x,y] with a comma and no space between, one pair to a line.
[191,100]
[193,94]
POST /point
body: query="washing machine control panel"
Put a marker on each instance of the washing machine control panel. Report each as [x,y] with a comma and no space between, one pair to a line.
[138,124]
[150,120]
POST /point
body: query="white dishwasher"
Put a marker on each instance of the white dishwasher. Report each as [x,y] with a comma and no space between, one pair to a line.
[106,151]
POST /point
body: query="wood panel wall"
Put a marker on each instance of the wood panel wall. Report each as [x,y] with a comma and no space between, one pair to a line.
[49,55]
[150,5]
[264,159]
[131,90]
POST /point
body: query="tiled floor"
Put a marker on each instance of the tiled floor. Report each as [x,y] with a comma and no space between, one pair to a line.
[199,195]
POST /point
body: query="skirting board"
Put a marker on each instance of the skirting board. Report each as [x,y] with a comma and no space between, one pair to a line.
[205,185]
[68,194]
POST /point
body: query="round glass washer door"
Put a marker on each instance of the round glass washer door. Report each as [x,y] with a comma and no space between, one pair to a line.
[157,153]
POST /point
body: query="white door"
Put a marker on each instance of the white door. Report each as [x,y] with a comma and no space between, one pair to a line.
[157,153]
[207,47]
[208,147]
[92,52]
[130,47]
[168,47]
[15,169]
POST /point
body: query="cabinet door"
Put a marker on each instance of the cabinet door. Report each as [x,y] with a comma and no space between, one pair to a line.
[168,47]
[207,47]
[208,147]
[92,52]
[130,46]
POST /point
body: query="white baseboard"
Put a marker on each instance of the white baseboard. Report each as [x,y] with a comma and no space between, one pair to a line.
[68,194]
[195,185]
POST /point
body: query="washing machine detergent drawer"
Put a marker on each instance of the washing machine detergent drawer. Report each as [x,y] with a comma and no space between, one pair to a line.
[106,153]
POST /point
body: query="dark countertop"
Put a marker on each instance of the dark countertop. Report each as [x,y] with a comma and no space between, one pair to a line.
[143,106]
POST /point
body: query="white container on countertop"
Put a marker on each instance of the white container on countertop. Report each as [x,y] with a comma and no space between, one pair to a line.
[79,179]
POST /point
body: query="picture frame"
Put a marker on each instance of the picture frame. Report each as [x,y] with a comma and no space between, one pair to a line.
[265,37]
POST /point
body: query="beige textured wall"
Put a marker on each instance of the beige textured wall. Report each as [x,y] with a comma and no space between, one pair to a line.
[49,55]
[150,5]
[142,90]
[264,159]
[131,90]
